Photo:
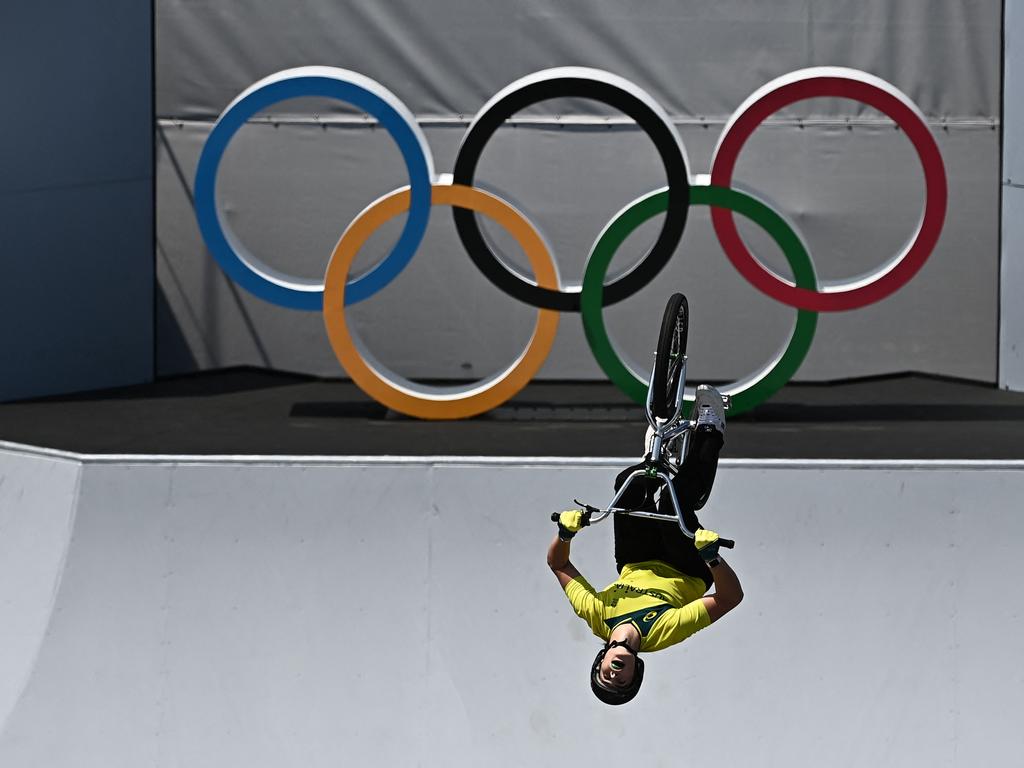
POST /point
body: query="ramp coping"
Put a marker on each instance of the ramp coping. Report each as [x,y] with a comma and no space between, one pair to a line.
[518,461]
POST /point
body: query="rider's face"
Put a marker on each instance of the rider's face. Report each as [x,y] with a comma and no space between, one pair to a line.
[618,667]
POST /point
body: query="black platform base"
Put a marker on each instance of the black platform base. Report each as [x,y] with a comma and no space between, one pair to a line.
[249,411]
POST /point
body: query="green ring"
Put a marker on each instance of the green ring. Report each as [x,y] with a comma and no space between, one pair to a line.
[747,393]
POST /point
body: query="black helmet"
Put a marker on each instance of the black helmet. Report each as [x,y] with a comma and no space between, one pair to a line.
[615,695]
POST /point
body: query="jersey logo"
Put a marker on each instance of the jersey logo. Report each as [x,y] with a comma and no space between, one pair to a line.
[643,619]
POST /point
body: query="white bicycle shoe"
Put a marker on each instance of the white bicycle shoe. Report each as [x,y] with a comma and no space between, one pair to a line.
[709,408]
[708,412]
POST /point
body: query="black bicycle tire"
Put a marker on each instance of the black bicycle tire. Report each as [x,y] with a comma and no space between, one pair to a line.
[668,363]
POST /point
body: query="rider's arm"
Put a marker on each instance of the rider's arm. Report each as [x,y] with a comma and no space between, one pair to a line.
[728,592]
[581,595]
[558,562]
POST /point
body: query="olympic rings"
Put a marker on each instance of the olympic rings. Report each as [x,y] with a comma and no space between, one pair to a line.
[875,92]
[331,82]
[579,82]
[403,395]
[748,392]
[546,294]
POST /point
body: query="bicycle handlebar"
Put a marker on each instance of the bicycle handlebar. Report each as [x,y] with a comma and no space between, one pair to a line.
[727,543]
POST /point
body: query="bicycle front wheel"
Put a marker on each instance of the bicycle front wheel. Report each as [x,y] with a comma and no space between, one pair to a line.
[669,356]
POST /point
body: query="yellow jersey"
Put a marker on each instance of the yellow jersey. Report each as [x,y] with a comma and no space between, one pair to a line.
[662,603]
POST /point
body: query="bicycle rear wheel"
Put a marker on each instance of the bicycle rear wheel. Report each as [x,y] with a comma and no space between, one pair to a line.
[668,359]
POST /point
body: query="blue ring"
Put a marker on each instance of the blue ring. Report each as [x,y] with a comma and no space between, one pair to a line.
[218,235]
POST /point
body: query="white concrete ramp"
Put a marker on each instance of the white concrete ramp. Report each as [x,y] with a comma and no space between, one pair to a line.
[389,612]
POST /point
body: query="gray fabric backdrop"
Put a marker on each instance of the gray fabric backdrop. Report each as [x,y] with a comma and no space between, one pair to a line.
[849,181]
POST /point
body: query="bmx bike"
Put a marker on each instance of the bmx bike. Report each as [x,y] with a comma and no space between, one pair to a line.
[664,408]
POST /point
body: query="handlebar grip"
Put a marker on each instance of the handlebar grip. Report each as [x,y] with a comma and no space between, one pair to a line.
[727,543]
[555,516]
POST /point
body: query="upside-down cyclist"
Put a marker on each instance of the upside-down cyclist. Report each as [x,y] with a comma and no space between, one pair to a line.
[659,598]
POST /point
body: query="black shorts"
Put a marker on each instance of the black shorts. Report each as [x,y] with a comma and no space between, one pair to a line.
[638,539]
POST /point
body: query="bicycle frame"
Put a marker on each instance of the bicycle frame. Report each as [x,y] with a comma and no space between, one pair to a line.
[654,466]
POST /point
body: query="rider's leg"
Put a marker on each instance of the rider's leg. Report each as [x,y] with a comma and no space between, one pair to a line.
[701,462]
[696,475]
[636,539]
[693,483]
[639,539]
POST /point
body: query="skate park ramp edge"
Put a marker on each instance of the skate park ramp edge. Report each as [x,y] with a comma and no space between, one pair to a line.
[270,611]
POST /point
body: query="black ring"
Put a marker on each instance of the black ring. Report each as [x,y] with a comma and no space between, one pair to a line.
[576,86]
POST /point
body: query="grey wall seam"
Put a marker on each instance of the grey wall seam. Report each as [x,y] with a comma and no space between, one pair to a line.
[999,192]
[434,121]
[74,185]
[153,174]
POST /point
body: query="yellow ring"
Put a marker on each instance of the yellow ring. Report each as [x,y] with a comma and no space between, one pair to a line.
[387,387]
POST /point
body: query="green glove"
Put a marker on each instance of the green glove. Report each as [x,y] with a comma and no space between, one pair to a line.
[707,543]
[570,522]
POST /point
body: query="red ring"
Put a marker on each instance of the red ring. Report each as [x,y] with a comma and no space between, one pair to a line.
[848,84]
